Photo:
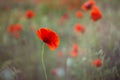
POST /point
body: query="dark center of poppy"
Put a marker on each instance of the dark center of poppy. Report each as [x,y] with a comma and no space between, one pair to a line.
[47,40]
[88,6]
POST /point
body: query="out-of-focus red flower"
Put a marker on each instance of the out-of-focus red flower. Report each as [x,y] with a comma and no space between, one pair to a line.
[15,29]
[75,50]
[79,14]
[97,63]
[58,72]
[70,7]
[30,14]
[49,37]
[74,54]
[79,28]
[55,72]
[88,5]
[96,14]
[64,18]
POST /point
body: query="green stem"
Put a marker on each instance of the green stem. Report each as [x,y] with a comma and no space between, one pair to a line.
[44,69]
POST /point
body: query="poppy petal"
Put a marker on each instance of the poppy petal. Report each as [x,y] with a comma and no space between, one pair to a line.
[96,13]
[49,37]
[30,14]
[97,63]
[79,14]
[79,28]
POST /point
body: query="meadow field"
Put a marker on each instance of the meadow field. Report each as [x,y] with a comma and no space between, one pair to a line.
[59,40]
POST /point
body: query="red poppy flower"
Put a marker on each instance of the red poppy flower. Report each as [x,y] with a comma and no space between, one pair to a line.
[96,13]
[79,28]
[70,7]
[97,63]
[15,29]
[75,50]
[64,18]
[79,14]
[74,54]
[88,5]
[49,37]
[55,72]
[30,14]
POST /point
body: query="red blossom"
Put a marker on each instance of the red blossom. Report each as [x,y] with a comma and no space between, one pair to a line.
[79,14]
[97,63]
[79,28]
[15,29]
[75,50]
[64,18]
[49,37]
[30,14]
[96,14]
[55,72]
[70,7]
[88,5]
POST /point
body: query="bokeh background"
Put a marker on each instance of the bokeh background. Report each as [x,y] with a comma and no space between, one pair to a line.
[20,58]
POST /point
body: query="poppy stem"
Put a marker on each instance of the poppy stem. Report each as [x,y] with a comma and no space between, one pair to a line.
[44,69]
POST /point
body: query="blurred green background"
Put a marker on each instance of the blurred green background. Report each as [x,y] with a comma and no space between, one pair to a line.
[20,59]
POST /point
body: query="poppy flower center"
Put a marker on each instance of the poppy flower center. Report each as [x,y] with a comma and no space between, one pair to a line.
[46,40]
[88,6]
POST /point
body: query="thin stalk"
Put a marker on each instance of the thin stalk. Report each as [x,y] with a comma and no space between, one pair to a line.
[44,69]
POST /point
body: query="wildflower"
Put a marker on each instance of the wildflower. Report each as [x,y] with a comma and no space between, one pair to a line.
[64,18]
[97,63]
[88,5]
[96,13]
[15,29]
[58,72]
[55,72]
[49,37]
[75,50]
[79,28]
[79,14]
[30,14]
